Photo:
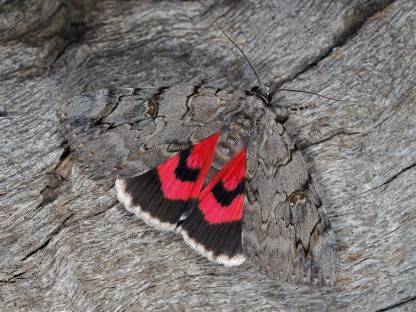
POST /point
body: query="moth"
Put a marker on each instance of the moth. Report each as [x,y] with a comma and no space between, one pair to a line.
[213,165]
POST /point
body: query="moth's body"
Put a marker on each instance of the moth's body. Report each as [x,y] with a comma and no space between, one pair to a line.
[284,230]
[236,131]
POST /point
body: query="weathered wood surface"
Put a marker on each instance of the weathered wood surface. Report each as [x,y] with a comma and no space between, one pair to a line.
[67,244]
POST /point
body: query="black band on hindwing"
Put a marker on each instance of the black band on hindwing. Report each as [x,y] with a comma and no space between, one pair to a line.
[225,197]
[182,172]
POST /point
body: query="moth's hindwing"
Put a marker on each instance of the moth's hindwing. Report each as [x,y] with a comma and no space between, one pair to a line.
[213,228]
[162,195]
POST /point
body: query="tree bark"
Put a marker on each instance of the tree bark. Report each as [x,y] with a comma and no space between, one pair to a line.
[66,242]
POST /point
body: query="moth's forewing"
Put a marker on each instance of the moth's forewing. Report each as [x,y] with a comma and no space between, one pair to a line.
[286,232]
[125,132]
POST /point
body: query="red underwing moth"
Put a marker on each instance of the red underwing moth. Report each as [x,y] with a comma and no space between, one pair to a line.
[217,167]
[236,189]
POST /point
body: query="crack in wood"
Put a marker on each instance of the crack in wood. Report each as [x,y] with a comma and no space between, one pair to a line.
[388,181]
[47,241]
[348,33]
[398,304]
[346,133]
[58,177]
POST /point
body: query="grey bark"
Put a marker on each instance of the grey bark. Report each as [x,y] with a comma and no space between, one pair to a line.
[67,244]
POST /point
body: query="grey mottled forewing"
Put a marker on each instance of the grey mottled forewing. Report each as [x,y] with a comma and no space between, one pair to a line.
[286,232]
[125,132]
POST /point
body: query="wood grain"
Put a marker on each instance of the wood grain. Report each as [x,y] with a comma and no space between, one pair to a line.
[67,244]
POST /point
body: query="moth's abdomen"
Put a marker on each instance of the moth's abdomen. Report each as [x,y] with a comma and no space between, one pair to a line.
[234,138]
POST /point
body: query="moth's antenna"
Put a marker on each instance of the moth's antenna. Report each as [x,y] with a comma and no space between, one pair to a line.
[248,61]
[286,90]
[313,93]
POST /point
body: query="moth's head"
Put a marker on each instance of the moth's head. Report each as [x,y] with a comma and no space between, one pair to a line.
[264,92]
